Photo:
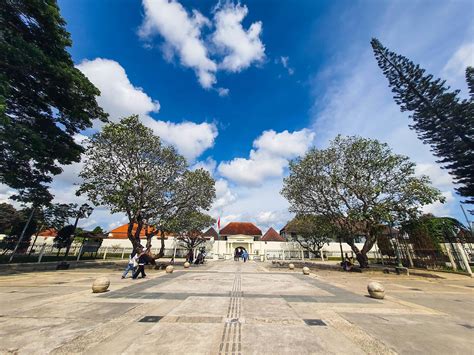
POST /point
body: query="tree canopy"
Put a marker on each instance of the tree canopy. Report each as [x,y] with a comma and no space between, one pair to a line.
[44,99]
[189,228]
[440,117]
[129,170]
[359,184]
[311,232]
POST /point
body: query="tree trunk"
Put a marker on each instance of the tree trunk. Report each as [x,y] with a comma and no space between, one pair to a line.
[161,253]
[361,258]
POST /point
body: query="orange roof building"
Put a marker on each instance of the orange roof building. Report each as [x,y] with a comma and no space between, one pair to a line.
[121,232]
[240,228]
[272,236]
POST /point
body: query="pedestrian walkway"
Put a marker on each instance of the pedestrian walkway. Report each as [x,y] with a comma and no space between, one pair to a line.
[224,307]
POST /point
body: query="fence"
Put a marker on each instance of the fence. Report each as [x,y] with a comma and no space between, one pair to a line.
[47,252]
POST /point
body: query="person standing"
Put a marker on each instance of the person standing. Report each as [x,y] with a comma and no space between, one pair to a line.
[245,255]
[132,264]
[142,258]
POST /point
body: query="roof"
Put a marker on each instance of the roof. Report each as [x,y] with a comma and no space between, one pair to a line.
[272,236]
[211,233]
[244,228]
[47,233]
[121,232]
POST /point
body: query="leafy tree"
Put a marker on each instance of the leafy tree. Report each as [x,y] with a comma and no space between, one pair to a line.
[14,229]
[129,170]
[440,117]
[428,232]
[190,194]
[359,184]
[53,216]
[189,229]
[64,237]
[8,215]
[44,99]
[311,232]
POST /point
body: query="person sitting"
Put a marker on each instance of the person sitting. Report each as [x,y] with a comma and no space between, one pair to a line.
[348,263]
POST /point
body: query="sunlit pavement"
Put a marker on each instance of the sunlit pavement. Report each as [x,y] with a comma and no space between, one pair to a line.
[235,308]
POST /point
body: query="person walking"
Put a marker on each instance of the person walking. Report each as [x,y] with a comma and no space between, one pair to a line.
[142,258]
[132,264]
[245,255]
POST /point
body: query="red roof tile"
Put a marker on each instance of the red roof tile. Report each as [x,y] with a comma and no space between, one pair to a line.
[210,233]
[121,232]
[245,228]
[272,236]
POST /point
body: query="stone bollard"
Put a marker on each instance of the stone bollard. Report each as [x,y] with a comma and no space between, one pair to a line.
[100,285]
[187,265]
[376,290]
[169,269]
[306,270]
[291,266]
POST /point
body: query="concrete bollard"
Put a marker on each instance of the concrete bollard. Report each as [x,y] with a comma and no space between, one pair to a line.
[187,265]
[376,290]
[100,285]
[291,266]
[306,270]
[169,269]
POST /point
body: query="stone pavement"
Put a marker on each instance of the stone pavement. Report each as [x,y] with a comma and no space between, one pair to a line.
[234,308]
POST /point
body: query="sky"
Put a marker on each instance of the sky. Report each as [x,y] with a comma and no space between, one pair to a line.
[241,88]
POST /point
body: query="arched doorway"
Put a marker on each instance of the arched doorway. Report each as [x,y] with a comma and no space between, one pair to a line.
[238,252]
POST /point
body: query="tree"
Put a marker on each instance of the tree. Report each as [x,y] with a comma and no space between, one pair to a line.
[15,227]
[311,232]
[440,117]
[359,184]
[44,99]
[53,216]
[8,215]
[188,195]
[64,237]
[189,229]
[428,232]
[129,170]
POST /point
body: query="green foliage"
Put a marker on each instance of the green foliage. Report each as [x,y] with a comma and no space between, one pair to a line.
[64,237]
[311,232]
[385,245]
[428,232]
[189,226]
[440,117]
[44,99]
[359,184]
[12,223]
[129,170]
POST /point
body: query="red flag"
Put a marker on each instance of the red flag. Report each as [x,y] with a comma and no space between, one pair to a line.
[219,224]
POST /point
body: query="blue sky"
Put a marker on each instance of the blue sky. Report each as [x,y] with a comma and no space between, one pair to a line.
[241,88]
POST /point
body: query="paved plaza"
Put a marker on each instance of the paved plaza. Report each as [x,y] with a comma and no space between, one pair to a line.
[228,307]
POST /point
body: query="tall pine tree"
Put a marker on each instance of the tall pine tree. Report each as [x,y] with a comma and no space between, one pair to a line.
[440,118]
[44,99]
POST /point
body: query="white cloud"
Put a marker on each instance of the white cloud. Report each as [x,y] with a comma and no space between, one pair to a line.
[190,139]
[285,62]
[240,47]
[209,164]
[439,177]
[440,209]
[457,64]
[224,196]
[269,158]
[120,98]
[182,34]
[229,47]
[223,92]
